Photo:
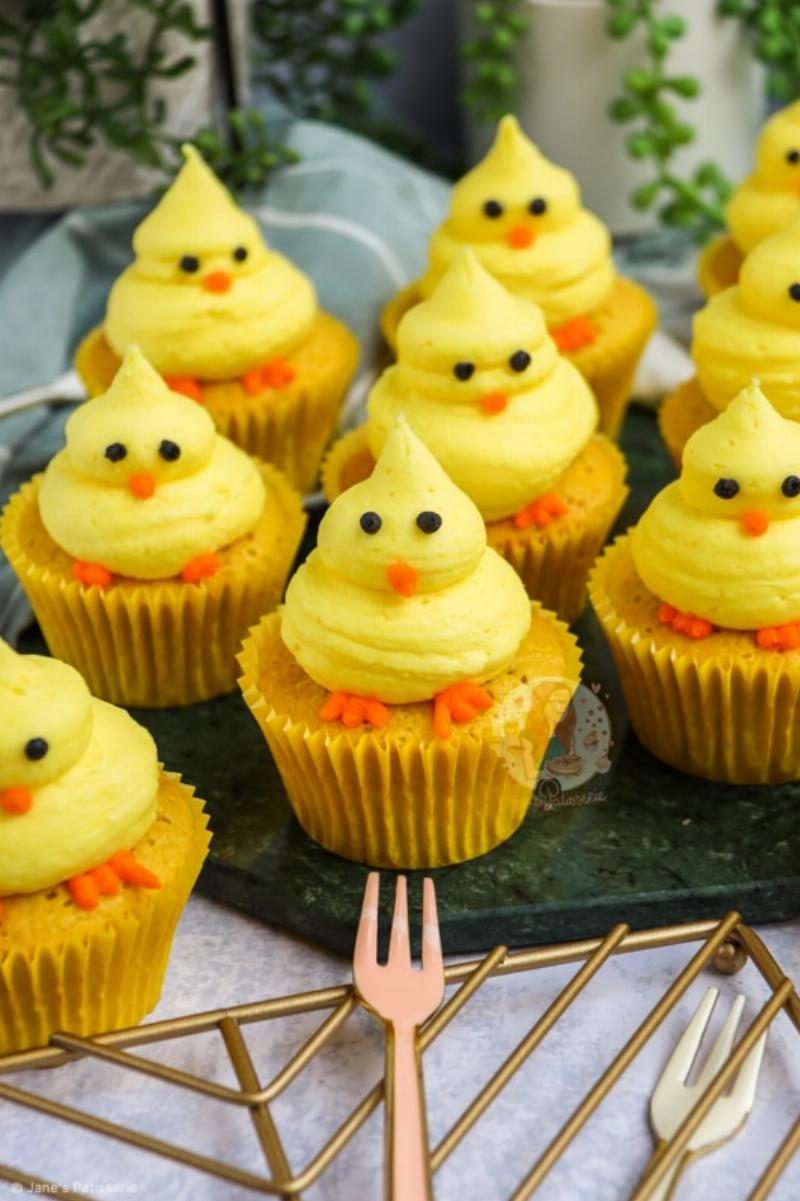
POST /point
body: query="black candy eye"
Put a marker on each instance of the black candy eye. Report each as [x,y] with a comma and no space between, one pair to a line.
[115,452]
[189,262]
[463,371]
[726,489]
[794,291]
[240,254]
[36,748]
[370,522]
[493,208]
[538,206]
[793,156]
[429,522]
[169,450]
[791,486]
[519,360]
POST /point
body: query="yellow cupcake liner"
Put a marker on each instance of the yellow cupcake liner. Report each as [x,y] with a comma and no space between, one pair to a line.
[680,414]
[553,563]
[392,798]
[87,972]
[289,427]
[720,708]
[159,643]
[624,324]
[718,265]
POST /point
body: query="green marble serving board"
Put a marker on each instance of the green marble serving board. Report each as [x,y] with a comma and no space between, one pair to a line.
[639,843]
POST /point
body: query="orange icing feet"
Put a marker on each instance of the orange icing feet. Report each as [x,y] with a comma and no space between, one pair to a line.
[540,512]
[779,638]
[200,568]
[573,334]
[276,373]
[107,880]
[92,575]
[186,385]
[16,800]
[352,710]
[684,623]
[460,703]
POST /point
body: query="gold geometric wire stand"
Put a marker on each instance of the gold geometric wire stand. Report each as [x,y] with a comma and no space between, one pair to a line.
[726,943]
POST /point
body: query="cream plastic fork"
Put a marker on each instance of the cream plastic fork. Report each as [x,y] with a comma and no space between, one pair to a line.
[673,1098]
[403,998]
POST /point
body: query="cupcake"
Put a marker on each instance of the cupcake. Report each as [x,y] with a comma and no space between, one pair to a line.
[522,216]
[230,323]
[150,544]
[382,687]
[510,420]
[101,849]
[763,203]
[750,330]
[701,603]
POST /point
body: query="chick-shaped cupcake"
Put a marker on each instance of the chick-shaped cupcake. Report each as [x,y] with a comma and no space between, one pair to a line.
[56,824]
[403,600]
[400,636]
[749,330]
[522,216]
[144,486]
[145,504]
[763,203]
[700,597]
[509,419]
[227,321]
[100,849]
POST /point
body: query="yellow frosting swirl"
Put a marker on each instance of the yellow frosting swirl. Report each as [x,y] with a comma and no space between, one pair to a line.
[692,547]
[204,497]
[350,630]
[503,459]
[94,789]
[769,197]
[558,256]
[230,312]
[753,329]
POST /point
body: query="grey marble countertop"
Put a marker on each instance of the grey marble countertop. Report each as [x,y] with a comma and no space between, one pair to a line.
[222,957]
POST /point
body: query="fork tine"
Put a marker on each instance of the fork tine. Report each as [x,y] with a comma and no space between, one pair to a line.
[399,943]
[722,1047]
[682,1057]
[366,948]
[431,938]
[743,1093]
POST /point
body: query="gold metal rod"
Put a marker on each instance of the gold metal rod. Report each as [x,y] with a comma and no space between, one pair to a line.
[265,1128]
[626,1056]
[769,968]
[525,1048]
[35,1184]
[677,1144]
[329,998]
[373,1098]
[777,1165]
[86,1047]
[309,1049]
[135,1138]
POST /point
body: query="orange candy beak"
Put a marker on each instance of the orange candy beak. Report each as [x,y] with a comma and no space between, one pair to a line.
[217,281]
[403,578]
[494,402]
[755,522]
[16,800]
[520,236]
[142,485]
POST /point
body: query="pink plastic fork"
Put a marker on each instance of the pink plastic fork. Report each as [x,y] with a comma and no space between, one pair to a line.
[403,998]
